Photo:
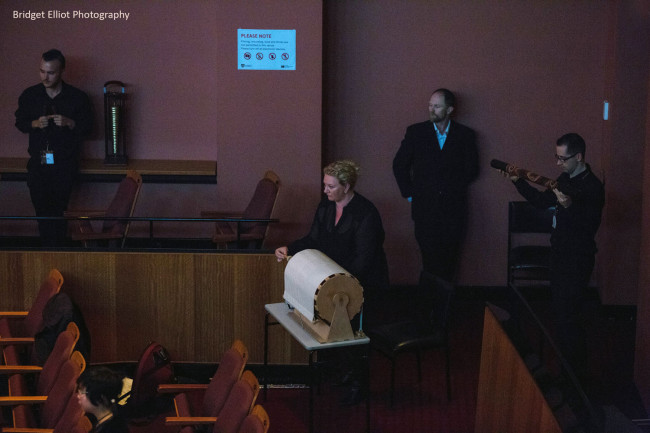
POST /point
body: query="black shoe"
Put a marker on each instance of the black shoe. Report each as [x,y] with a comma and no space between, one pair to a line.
[353,396]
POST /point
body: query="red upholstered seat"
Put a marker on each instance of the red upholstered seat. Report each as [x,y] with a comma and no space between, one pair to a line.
[65,344]
[248,234]
[216,392]
[154,368]
[255,422]
[82,425]
[122,206]
[48,374]
[239,404]
[71,418]
[26,324]
[230,369]
[54,404]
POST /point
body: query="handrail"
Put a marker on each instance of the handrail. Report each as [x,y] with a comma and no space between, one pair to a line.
[111,218]
[150,220]
[594,418]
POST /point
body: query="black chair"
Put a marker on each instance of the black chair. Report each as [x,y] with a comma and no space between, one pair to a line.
[528,242]
[427,330]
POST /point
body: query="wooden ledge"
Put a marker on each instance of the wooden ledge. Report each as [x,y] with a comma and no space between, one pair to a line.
[152,170]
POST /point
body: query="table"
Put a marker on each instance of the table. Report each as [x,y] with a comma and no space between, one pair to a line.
[285,317]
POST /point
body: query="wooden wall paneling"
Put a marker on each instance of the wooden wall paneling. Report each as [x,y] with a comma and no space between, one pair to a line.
[508,398]
[17,289]
[250,289]
[214,305]
[193,304]
[90,280]
[283,349]
[34,269]
[155,302]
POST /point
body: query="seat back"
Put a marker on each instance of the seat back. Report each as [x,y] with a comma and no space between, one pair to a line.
[49,287]
[229,371]
[63,389]
[83,425]
[528,241]
[71,417]
[154,368]
[261,204]
[17,383]
[63,348]
[239,404]
[123,204]
[523,217]
[29,325]
[57,314]
[256,422]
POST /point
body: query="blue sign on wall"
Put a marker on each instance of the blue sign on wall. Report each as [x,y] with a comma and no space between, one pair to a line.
[266,49]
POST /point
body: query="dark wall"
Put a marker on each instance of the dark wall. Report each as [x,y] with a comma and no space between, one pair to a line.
[642,358]
[627,69]
[633,60]
[525,73]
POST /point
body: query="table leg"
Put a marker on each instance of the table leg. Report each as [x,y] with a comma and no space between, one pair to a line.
[266,355]
[367,356]
[312,379]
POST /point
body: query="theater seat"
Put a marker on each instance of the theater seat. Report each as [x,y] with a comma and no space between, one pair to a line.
[20,327]
[240,233]
[237,406]
[48,373]
[216,392]
[113,231]
[256,422]
[141,402]
[54,404]
[240,402]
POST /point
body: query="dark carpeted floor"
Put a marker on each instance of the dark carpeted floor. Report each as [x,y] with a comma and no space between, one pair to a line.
[422,406]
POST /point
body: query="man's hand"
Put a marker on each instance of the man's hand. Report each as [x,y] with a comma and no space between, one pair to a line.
[512,178]
[41,122]
[58,119]
[562,198]
[281,253]
[61,120]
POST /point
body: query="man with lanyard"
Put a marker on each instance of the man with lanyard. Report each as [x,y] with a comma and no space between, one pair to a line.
[57,116]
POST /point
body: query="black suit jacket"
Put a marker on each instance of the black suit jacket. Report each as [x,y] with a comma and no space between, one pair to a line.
[436,179]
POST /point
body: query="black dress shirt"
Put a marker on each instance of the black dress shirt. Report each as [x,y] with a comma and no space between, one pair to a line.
[355,243]
[576,225]
[71,102]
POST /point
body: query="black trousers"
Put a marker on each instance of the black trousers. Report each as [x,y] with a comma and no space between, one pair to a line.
[440,247]
[50,188]
[570,274]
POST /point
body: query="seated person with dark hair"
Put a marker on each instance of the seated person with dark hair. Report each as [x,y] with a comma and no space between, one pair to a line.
[97,390]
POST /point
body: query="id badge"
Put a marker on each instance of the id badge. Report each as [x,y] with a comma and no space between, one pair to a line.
[47,157]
